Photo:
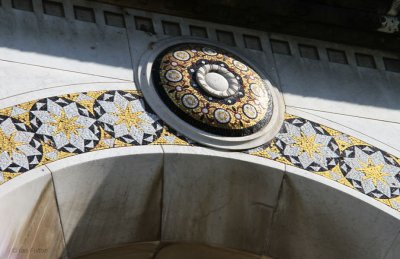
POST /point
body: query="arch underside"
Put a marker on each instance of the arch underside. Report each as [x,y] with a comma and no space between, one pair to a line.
[194,196]
[312,192]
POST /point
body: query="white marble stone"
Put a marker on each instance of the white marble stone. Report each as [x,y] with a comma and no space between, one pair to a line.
[65,44]
[170,251]
[143,250]
[383,131]
[114,196]
[314,220]
[217,81]
[17,78]
[109,197]
[65,89]
[218,198]
[353,129]
[394,250]
[192,251]
[29,220]
[345,89]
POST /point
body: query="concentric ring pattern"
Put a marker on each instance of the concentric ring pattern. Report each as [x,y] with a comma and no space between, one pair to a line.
[212,89]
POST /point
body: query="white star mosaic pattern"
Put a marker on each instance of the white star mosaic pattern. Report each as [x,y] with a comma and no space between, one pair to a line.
[125,117]
[371,171]
[65,125]
[38,132]
[307,145]
[20,148]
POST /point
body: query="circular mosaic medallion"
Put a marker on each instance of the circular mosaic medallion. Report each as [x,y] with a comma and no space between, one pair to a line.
[20,147]
[371,171]
[214,96]
[240,65]
[190,101]
[66,125]
[182,55]
[222,116]
[208,51]
[306,145]
[212,89]
[123,115]
[250,111]
[173,75]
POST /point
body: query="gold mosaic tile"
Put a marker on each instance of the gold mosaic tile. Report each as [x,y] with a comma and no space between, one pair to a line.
[239,105]
[39,132]
[336,156]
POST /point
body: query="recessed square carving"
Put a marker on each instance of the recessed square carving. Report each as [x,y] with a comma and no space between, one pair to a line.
[53,8]
[280,47]
[198,31]
[337,56]
[252,42]
[364,60]
[84,14]
[144,24]
[114,19]
[171,28]
[226,37]
[25,5]
[392,64]
[308,51]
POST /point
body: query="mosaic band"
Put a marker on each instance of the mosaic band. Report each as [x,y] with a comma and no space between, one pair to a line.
[39,132]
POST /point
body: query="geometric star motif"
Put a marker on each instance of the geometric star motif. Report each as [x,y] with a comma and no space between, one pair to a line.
[65,125]
[307,145]
[20,147]
[371,171]
[126,117]
[8,143]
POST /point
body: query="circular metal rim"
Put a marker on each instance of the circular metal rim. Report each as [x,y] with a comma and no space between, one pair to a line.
[144,81]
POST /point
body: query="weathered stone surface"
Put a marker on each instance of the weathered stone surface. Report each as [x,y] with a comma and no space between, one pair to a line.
[313,220]
[215,200]
[29,221]
[116,198]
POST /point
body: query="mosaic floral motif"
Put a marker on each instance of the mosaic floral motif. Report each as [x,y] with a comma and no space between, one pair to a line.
[371,171]
[336,156]
[236,103]
[306,145]
[39,132]
[20,148]
[64,124]
[124,116]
